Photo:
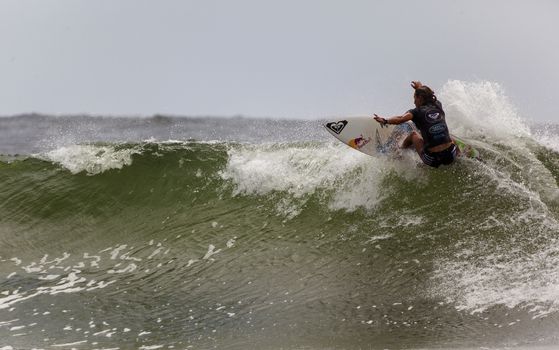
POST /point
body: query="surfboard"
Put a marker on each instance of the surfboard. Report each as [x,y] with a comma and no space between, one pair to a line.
[366,135]
[466,150]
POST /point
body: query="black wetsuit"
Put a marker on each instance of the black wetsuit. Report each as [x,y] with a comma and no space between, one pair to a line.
[430,120]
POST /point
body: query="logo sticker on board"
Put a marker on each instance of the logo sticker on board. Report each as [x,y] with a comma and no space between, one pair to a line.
[337,127]
[359,142]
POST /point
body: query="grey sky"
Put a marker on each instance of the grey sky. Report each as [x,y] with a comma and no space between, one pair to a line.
[288,58]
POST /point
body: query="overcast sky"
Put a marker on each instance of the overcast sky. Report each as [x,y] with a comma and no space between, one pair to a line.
[284,58]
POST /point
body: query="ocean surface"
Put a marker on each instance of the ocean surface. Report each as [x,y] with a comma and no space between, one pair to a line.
[237,233]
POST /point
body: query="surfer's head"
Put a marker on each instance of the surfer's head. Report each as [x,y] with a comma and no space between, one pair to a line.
[424,95]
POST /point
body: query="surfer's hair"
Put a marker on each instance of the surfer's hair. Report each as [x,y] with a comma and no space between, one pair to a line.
[425,94]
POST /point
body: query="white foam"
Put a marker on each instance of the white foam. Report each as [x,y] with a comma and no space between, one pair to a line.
[111,262]
[211,251]
[376,238]
[548,139]
[128,269]
[352,178]
[511,272]
[410,220]
[230,243]
[514,271]
[499,280]
[70,285]
[155,252]
[116,252]
[48,277]
[89,158]
[70,344]
[481,110]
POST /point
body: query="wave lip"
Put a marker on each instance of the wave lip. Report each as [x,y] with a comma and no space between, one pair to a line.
[91,159]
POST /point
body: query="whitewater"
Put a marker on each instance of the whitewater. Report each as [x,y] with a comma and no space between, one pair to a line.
[246,233]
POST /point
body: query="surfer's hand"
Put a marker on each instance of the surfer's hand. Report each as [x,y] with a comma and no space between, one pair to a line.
[381,120]
[416,84]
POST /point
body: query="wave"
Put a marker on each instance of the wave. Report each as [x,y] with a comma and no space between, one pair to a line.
[258,231]
[490,227]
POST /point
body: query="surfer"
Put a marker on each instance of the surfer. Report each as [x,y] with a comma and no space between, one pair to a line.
[434,145]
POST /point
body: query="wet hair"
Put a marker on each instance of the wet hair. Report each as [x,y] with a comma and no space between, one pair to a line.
[425,94]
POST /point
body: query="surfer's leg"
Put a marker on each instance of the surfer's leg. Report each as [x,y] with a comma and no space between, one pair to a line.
[415,140]
[407,141]
[418,144]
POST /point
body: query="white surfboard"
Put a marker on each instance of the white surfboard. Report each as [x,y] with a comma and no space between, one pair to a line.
[370,137]
[367,135]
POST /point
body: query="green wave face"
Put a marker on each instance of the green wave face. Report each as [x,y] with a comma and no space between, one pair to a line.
[235,245]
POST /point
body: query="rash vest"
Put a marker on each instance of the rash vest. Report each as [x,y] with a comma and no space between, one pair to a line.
[430,120]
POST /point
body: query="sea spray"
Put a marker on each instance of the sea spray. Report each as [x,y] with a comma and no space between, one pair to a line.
[482,110]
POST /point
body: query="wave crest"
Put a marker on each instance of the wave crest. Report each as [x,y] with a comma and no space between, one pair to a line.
[91,159]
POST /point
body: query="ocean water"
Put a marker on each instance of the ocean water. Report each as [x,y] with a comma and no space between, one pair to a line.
[239,233]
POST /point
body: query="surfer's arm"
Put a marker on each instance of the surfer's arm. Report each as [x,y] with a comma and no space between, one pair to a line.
[399,119]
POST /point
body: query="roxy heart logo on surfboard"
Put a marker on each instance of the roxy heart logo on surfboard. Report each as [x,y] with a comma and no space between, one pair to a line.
[337,127]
